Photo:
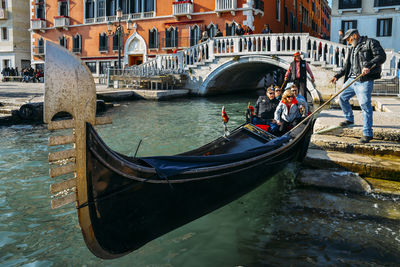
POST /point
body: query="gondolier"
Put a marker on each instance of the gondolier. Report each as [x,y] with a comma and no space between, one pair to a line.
[364,54]
[297,73]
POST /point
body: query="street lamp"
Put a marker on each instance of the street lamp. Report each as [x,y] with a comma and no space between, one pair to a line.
[119,31]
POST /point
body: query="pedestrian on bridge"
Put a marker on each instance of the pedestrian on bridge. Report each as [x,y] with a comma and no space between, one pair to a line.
[365,57]
[297,73]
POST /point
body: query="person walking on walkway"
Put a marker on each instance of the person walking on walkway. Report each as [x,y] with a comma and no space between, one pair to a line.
[297,73]
[365,57]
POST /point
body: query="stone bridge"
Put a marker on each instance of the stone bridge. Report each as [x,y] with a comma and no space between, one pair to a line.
[232,63]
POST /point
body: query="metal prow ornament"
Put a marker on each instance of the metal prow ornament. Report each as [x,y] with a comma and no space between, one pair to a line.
[69,87]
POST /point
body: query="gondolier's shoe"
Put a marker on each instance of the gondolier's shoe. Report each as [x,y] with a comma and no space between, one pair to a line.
[346,123]
[365,139]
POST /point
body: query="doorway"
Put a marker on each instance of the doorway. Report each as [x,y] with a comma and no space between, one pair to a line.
[135,60]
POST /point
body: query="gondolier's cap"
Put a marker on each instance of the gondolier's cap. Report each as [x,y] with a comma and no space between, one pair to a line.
[349,33]
[297,54]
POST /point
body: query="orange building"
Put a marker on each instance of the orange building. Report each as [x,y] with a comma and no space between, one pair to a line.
[159,26]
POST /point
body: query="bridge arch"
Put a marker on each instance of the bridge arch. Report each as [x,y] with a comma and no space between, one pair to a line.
[245,73]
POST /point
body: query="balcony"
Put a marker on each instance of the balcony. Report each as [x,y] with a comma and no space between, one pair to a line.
[3,13]
[61,22]
[38,51]
[182,8]
[222,6]
[38,24]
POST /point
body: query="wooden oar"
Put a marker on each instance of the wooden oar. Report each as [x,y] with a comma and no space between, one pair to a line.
[329,100]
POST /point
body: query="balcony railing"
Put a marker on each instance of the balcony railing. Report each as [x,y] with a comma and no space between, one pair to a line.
[182,8]
[38,51]
[225,6]
[76,50]
[61,22]
[132,16]
[381,3]
[38,24]
[3,13]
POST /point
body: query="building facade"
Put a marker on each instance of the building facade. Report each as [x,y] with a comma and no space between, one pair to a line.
[378,19]
[14,34]
[160,26]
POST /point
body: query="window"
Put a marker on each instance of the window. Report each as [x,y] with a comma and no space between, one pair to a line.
[384,27]
[77,44]
[6,63]
[3,4]
[313,6]
[91,66]
[231,29]
[40,10]
[349,24]
[4,33]
[153,38]
[194,35]
[111,7]
[345,4]
[40,47]
[211,30]
[104,65]
[63,8]
[286,16]
[115,42]
[378,3]
[103,42]
[101,8]
[171,37]
[62,41]
[278,10]
[148,5]
[90,4]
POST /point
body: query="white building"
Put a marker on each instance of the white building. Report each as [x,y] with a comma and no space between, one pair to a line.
[14,34]
[378,19]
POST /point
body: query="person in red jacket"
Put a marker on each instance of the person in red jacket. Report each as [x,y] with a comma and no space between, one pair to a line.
[297,73]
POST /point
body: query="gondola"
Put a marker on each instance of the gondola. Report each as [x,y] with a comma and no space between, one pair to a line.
[125,202]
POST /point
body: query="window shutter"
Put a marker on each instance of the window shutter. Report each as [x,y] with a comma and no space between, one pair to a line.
[176,37]
[390,27]
[378,28]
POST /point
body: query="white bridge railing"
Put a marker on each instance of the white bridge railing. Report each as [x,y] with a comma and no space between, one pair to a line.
[316,51]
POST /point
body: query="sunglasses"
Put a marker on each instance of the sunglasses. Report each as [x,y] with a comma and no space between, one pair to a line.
[277,90]
[271,93]
[290,96]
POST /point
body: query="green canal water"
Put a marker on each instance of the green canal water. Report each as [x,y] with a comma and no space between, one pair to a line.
[278,224]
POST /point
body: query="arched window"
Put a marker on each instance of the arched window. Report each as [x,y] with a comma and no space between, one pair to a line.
[211,30]
[195,35]
[231,28]
[171,37]
[115,42]
[153,38]
[62,41]
[103,42]
[77,44]
[89,9]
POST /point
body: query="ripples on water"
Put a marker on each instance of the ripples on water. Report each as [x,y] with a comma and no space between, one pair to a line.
[278,224]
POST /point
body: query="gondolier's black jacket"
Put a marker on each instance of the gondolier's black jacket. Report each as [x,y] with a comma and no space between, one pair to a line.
[368,53]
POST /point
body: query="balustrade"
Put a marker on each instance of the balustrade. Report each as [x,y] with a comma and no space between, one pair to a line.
[315,50]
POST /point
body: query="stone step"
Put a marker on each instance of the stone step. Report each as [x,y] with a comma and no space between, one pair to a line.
[364,207]
[352,145]
[386,125]
[347,181]
[368,166]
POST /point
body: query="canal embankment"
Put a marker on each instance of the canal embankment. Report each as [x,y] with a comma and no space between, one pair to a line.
[338,149]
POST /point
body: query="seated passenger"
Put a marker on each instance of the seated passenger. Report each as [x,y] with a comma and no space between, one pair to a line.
[302,103]
[278,93]
[265,107]
[287,114]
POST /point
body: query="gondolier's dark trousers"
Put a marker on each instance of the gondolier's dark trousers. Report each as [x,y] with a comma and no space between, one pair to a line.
[302,88]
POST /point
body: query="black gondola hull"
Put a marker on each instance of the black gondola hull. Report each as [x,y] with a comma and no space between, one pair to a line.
[127,213]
